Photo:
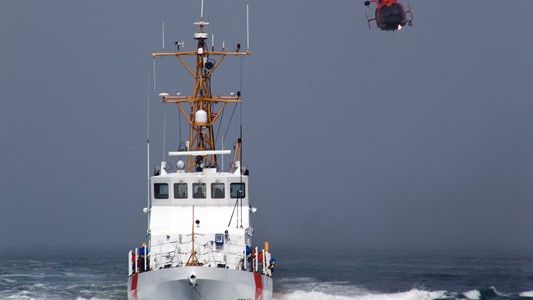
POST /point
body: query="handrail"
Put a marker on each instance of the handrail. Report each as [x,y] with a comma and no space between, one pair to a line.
[136,260]
[130,263]
[176,258]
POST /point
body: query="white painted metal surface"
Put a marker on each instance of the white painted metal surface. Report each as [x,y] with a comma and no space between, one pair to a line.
[227,269]
[209,284]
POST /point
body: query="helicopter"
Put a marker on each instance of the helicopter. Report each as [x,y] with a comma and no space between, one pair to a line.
[390,15]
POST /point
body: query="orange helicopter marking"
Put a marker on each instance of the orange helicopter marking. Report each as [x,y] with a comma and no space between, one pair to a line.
[387,2]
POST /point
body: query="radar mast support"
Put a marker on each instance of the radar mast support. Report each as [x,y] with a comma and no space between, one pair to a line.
[201,110]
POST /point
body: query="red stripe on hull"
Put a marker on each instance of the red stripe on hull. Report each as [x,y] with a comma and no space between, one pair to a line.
[134,282]
[258,286]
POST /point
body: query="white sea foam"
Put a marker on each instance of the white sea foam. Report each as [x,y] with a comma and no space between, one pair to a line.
[318,295]
[26,295]
[472,295]
[414,294]
[297,286]
[528,294]
[303,295]
[309,289]
[23,295]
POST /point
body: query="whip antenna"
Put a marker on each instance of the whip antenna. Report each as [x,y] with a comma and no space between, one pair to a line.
[162,34]
[247,26]
[202,10]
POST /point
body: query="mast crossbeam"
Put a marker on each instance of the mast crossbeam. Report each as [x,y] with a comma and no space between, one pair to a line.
[189,99]
[206,52]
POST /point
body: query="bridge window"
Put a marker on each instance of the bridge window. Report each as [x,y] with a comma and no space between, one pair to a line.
[237,190]
[217,191]
[199,190]
[180,191]
[161,190]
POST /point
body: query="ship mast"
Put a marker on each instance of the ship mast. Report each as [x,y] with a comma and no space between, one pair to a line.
[202,109]
[193,259]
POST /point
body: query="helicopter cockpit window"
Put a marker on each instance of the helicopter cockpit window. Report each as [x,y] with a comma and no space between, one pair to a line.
[161,190]
[180,191]
[198,190]
[217,190]
[237,190]
[391,11]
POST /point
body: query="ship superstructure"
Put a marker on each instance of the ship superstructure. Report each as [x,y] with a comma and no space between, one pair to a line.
[199,243]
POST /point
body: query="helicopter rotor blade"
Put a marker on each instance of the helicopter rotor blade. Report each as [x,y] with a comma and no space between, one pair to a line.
[410,12]
[368,20]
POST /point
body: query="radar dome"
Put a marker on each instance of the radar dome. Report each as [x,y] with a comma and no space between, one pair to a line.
[200,117]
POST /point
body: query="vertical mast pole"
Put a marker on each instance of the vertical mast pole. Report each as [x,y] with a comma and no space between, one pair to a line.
[164,135]
[154,74]
[192,258]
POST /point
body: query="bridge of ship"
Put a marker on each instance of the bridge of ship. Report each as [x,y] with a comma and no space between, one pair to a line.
[211,205]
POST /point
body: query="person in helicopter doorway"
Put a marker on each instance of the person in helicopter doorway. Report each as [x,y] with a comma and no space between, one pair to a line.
[143,256]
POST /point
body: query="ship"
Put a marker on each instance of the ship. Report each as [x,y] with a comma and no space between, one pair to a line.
[199,235]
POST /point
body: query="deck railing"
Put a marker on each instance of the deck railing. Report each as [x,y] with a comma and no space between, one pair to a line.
[141,260]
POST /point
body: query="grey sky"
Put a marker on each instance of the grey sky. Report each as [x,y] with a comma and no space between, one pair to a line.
[415,139]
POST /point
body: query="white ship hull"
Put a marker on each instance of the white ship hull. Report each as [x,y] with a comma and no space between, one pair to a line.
[208,284]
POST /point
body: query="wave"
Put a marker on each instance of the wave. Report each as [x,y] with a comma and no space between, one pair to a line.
[300,285]
[413,294]
[472,295]
[310,289]
[309,296]
[27,295]
[300,288]
[32,290]
[481,294]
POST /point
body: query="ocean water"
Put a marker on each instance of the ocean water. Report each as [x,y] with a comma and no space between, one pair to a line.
[327,276]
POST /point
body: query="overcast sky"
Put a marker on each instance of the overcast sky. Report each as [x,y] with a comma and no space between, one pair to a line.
[364,139]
